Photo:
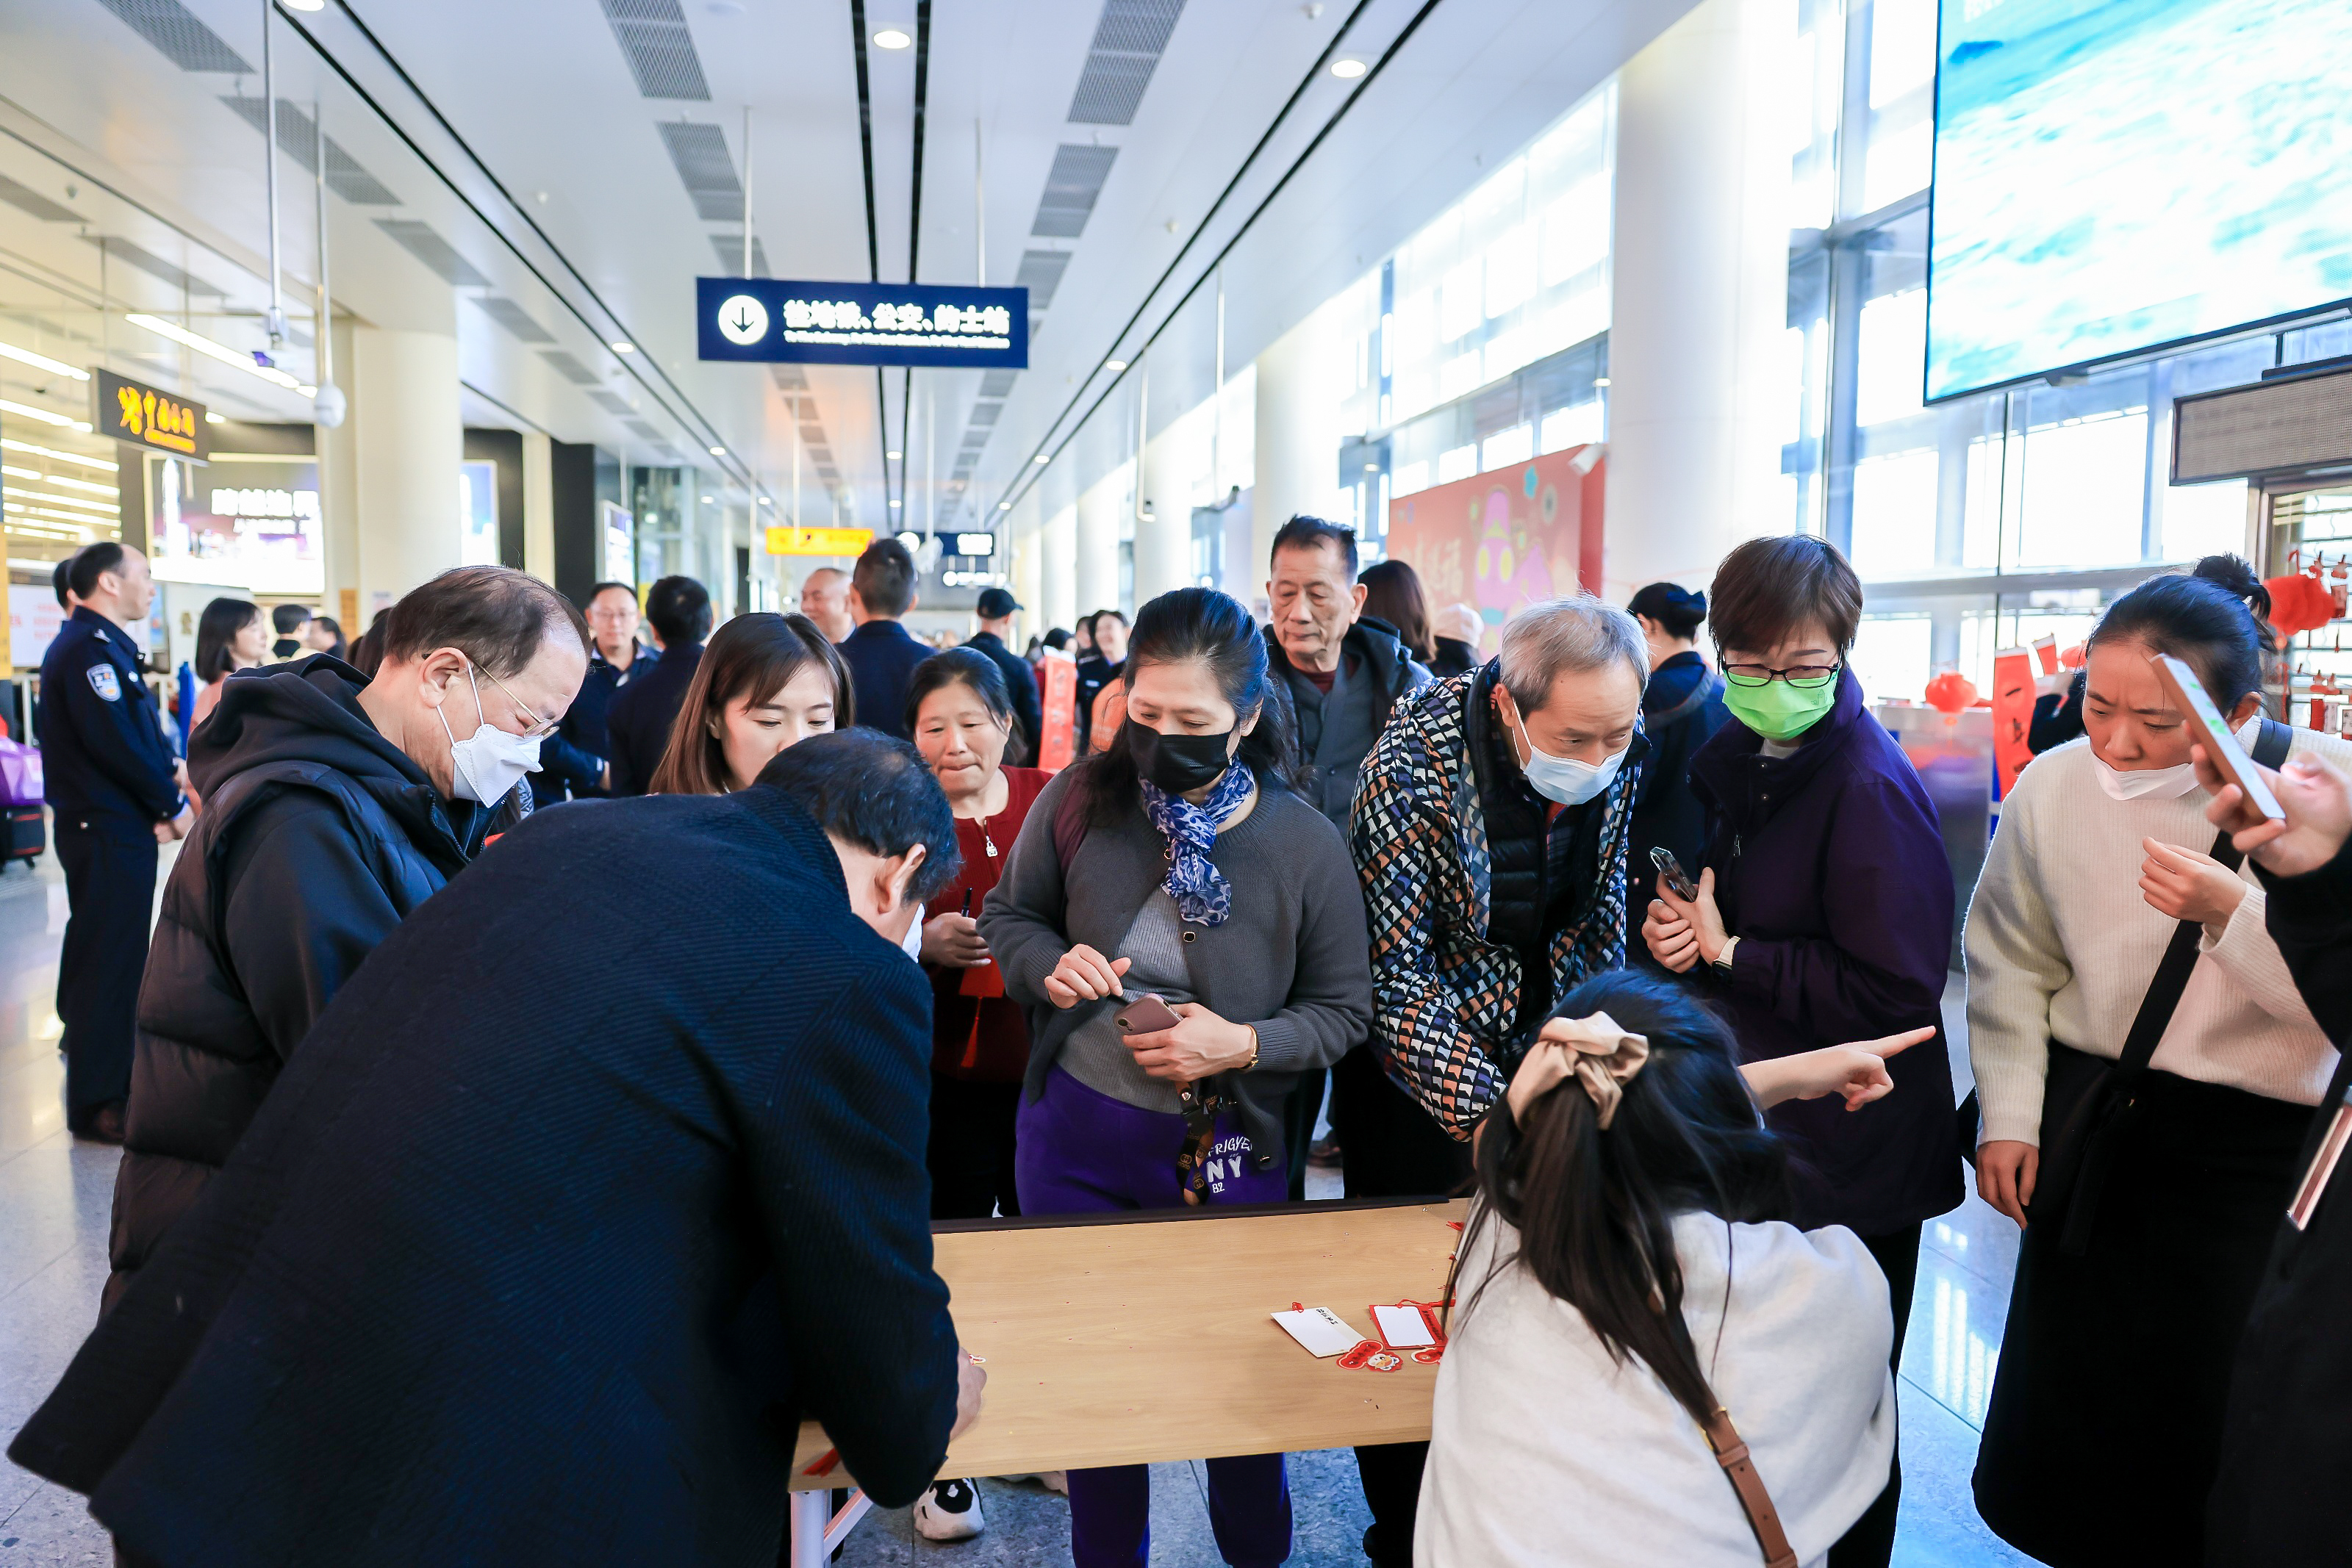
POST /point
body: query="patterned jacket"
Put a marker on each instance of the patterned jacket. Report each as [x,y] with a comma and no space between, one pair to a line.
[1444,996]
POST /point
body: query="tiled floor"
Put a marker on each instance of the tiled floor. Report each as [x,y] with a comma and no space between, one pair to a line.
[55,1196]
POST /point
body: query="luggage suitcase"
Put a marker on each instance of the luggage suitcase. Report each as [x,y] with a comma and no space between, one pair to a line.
[20,797]
[27,833]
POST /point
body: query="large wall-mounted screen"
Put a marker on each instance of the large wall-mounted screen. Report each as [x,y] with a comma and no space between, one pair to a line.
[2112,175]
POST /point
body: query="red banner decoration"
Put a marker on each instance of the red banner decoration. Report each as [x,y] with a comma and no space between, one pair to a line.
[1504,540]
[2012,714]
[1058,676]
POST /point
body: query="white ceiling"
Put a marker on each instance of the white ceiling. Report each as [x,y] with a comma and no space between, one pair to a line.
[518,132]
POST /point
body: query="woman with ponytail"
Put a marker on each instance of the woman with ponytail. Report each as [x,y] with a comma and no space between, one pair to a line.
[1177,868]
[1631,1305]
[2101,930]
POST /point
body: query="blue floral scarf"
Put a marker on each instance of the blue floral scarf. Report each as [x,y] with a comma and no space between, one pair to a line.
[1200,889]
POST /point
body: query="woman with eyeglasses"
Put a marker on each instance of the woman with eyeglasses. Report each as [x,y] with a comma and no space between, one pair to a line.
[1822,912]
[765,682]
[1178,870]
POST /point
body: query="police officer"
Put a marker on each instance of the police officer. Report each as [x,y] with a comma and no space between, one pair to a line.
[116,791]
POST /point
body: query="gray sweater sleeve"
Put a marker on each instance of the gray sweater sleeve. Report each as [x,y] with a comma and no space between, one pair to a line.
[1022,918]
[1329,1009]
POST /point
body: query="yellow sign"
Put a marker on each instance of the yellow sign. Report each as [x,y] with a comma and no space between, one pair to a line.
[818,541]
[133,411]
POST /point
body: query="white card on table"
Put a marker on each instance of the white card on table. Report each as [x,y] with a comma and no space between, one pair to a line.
[1403,1327]
[1320,1329]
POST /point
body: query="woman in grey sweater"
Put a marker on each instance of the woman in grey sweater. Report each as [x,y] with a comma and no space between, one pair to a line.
[1179,864]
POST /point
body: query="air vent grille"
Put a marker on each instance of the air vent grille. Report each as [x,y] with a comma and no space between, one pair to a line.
[153,266]
[986,413]
[1071,188]
[789,378]
[419,240]
[997,383]
[299,140]
[731,254]
[1128,44]
[654,37]
[699,151]
[611,402]
[514,319]
[1041,272]
[569,366]
[186,42]
[29,200]
[641,430]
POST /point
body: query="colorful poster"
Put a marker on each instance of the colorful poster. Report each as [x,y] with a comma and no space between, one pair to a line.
[1058,676]
[2012,714]
[1505,538]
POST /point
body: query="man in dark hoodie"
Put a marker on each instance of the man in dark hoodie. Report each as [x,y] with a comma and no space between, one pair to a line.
[334,805]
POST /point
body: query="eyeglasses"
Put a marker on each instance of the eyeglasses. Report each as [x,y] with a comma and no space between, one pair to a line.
[1804,677]
[540,727]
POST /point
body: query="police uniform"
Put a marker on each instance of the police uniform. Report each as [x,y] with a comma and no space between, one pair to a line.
[109,776]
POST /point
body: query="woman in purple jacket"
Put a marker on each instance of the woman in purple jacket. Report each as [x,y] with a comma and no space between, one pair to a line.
[1825,913]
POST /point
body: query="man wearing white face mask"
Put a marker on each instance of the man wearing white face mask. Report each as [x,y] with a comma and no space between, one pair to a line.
[1490,833]
[332,809]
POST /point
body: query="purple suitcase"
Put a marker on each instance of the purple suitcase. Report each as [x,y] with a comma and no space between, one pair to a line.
[20,774]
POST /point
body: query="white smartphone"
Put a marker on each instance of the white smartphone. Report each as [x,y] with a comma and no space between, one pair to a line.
[2212,731]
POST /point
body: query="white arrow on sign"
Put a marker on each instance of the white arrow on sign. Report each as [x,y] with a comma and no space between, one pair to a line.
[743,319]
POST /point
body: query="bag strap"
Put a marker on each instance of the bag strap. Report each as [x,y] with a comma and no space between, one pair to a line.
[2164,992]
[1731,1453]
[1700,695]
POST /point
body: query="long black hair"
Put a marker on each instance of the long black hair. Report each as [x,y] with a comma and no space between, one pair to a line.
[1213,627]
[217,630]
[2217,618]
[1595,1210]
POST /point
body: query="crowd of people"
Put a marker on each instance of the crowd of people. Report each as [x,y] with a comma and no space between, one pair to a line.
[454,1220]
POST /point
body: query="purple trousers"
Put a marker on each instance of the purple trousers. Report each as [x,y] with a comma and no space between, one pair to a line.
[1081,1152]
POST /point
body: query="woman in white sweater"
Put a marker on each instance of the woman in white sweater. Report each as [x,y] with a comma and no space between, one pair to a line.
[1625,1276]
[2105,1418]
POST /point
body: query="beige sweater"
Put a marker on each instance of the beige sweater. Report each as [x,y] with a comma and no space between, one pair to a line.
[2062,945]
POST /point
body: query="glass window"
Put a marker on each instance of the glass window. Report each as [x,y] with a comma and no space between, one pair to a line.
[1893,656]
[1894,515]
[1894,344]
[1505,447]
[2080,498]
[2204,519]
[1577,426]
[1458,463]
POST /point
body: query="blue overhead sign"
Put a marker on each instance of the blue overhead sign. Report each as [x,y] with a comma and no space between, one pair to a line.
[765,320]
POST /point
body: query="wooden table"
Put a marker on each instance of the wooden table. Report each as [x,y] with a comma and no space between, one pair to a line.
[1133,1338]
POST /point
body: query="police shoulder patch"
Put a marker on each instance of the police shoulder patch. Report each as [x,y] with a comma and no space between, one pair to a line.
[103,681]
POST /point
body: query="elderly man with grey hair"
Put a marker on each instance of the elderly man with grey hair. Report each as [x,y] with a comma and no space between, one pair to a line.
[1490,831]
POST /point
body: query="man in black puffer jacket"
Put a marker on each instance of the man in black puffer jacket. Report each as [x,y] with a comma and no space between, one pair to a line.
[334,806]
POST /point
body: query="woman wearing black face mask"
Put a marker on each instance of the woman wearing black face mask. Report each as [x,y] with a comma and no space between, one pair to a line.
[1177,863]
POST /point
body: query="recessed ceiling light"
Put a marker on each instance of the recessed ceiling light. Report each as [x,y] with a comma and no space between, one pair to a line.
[212,418]
[622,348]
[1041,457]
[1600,381]
[894,502]
[767,500]
[1004,505]
[1346,70]
[706,500]
[306,5]
[891,456]
[719,452]
[890,38]
[1113,366]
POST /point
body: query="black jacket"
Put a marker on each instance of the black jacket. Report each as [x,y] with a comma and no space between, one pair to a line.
[1371,645]
[2285,1446]
[1455,657]
[1682,707]
[1021,685]
[317,837]
[106,764]
[572,760]
[1095,672]
[539,1251]
[882,656]
[638,722]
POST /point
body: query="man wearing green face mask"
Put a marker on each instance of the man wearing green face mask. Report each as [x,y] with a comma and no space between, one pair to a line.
[1824,905]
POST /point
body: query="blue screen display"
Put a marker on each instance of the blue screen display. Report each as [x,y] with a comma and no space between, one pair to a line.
[2116,174]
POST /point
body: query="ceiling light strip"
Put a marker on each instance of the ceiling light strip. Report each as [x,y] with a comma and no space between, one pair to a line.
[41,361]
[43,416]
[221,352]
[55,500]
[13,445]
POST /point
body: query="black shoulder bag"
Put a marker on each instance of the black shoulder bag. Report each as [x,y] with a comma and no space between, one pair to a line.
[2088,1102]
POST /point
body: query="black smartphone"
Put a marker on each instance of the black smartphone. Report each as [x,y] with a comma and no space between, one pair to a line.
[1672,876]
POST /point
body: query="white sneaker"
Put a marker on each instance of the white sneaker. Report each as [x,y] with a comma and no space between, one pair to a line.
[950,1511]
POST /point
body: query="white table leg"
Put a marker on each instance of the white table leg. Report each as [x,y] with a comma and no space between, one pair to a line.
[809,1546]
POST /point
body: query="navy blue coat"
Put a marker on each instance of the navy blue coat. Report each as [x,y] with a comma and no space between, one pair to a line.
[638,723]
[538,1252]
[572,760]
[1019,687]
[1682,707]
[1829,869]
[105,763]
[882,656]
